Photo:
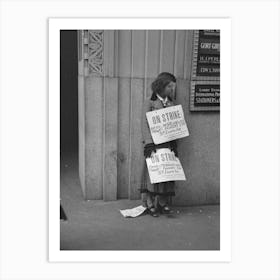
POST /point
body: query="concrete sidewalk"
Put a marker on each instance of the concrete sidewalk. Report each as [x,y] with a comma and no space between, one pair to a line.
[99,225]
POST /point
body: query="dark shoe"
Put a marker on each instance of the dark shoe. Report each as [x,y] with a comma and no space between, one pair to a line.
[154,212]
[166,210]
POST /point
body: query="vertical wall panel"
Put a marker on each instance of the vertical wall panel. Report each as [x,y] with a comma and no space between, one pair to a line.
[148,87]
[116,53]
[124,54]
[180,54]
[153,53]
[81,123]
[146,60]
[138,53]
[168,45]
[109,52]
[110,138]
[188,54]
[136,146]
[93,137]
[160,51]
[123,137]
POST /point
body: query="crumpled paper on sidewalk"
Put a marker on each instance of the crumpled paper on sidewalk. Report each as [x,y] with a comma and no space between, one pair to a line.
[134,212]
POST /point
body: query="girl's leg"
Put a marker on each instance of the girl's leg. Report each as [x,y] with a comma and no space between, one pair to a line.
[153,205]
[150,200]
[144,199]
[163,200]
[164,203]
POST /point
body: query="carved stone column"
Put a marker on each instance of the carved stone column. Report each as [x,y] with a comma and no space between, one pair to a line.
[98,105]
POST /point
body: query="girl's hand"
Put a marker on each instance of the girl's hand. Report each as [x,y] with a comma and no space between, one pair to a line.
[173,147]
[148,150]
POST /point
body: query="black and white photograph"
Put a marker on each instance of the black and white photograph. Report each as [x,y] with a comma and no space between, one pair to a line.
[140,139]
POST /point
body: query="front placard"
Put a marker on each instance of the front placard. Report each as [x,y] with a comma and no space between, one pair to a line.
[164,166]
[167,124]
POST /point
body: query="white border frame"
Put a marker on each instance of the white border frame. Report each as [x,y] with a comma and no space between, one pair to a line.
[55,25]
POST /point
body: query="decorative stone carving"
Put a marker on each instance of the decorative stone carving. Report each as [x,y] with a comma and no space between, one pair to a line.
[95,48]
[93,52]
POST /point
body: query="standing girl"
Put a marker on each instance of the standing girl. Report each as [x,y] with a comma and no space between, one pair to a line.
[157,197]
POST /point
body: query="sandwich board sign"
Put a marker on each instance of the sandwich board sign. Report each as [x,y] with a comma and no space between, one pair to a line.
[167,124]
[164,166]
